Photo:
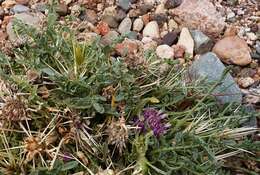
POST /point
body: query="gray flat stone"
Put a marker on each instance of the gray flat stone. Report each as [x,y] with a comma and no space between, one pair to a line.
[26,18]
[210,67]
[203,43]
[124,4]
[18,8]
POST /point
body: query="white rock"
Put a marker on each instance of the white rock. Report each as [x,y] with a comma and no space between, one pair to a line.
[186,40]
[164,51]
[125,26]
[138,25]
[245,82]
[172,25]
[160,9]
[231,15]
[67,2]
[146,40]
[163,33]
[149,2]
[251,36]
[151,30]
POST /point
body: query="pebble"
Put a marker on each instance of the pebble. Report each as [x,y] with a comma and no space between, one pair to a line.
[170,38]
[134,13]
[3,35]
[125,26]
[151,30]
[127,47]
[120,15]
[230,15]
[172,25]
[111,21]
[76,10]
[7,4]
[109,38]
[230,31]
[67,2]
[201,15]
[186,40]
[160,9]
[149,2]
[18,8]
[202,42]
[110,11]
[133,35]
[89,37]
[232,2]
[27,18]
[257,47]
[146,18]
[164,51]
[23,2]
[233,50]
[124,4]
[160,18]
[144,9]
[2,13]
[172,3]
[40,7]
[146,40]
[245,82]
[138,25]
[62,9]
[91,16]
[179,51]
[251,36]
[210,67]
[102,28]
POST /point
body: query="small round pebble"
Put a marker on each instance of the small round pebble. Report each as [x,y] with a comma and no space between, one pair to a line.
[125,26]
[245,82]
[164,51]
[138,25]
[151,30]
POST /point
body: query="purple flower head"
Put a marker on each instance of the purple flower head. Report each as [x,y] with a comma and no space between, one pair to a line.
[66,157]
[155,120]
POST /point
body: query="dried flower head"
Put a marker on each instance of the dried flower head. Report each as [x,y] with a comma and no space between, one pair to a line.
[5,89]
[106,172]
[155,120]
[33,147]
[14,110]
[108,92]
[118,134]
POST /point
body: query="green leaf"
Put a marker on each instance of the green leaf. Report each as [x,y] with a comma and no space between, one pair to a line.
[99,108]
[79,54]
[48,71]
[69,165]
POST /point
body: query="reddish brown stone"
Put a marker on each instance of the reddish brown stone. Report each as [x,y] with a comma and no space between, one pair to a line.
[3,35]
[102,28]
[23,2]
[233,50]
[126,47]
[179,51]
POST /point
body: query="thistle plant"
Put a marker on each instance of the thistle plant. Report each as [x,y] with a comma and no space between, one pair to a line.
[77,108]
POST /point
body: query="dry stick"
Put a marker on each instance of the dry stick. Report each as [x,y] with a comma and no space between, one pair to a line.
[56,154]
[90,172]
[21,125]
